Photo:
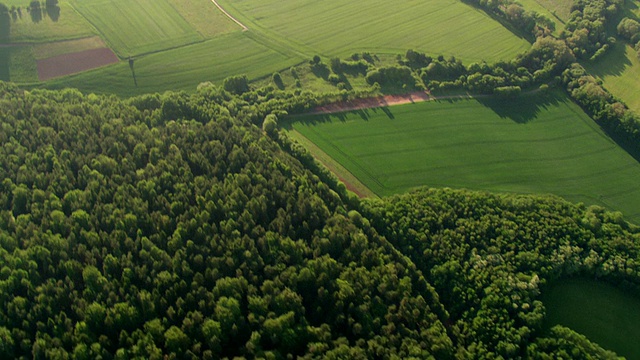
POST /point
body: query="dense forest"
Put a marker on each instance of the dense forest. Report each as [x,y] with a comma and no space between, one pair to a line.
[175,226]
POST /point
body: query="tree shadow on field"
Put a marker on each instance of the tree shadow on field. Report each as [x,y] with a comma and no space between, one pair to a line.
[614,62]
[522,109]
[36,14]
[53,12]
[5,52]
[5,24]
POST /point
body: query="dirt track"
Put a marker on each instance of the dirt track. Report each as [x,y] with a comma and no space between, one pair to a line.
[244,28]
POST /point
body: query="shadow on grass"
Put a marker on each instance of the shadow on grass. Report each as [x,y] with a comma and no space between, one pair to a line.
[523,108]
[5,75]
[5,24]
[343,117]
[613,63]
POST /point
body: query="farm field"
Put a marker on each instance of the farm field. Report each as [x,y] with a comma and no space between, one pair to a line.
[603,313]
[184,68]
[620,70]
[285,30]
[536,144]
[343,27]
[138,27]
[49,25]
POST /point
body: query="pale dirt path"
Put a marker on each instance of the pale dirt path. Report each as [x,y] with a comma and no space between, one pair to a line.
[244,28]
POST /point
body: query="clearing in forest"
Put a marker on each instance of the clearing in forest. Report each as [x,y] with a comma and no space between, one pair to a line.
[605,314]
[534,144]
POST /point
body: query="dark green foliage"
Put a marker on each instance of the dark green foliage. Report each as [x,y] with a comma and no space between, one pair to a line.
[487,256]
[629,29]
[277,80]
[392,76]
[236,84]
[148,235]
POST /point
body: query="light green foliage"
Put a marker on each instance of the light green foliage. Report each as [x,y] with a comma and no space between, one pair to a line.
[339,28]
[534,144]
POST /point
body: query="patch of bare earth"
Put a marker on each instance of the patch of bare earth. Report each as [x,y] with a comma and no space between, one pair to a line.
[76,62]
[373,102]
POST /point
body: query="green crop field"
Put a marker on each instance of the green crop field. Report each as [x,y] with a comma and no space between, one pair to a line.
[184,68]
[204,17]
[536,144]
[138,27]
[603,313]
[340,28]
[47,26]
[620,70]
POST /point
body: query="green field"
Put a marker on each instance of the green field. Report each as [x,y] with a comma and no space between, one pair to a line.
[555,9]
[204,17]
[536,144]
[619,70]
[138,27]
[68,25]
[283,31]
[184,68]
[340,28]
[603,313]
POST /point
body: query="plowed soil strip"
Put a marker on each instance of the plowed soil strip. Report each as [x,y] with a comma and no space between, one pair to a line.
[374,102]
[72,63]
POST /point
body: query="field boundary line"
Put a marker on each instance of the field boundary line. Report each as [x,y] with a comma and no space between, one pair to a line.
[244,28]
[351,182]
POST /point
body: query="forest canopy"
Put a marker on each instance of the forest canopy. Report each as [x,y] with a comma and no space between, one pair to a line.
[172,225]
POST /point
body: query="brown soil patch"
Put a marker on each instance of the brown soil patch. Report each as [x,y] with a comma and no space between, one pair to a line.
[374,102]
[76,62]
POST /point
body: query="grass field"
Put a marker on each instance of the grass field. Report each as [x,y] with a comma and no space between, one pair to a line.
[342,27]
[68,25]
[560,9]
[536,144]
[184,68]
[620,70]
[603,313]
[138,27]
[204,17]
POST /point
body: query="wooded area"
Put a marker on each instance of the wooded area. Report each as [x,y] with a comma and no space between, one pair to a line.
[171,225]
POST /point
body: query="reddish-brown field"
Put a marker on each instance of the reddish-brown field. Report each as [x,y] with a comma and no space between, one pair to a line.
[74,63]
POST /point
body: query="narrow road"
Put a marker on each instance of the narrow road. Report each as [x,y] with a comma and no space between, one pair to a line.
[244,28]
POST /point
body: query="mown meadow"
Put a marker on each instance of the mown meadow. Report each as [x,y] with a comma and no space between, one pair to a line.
[535,144]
